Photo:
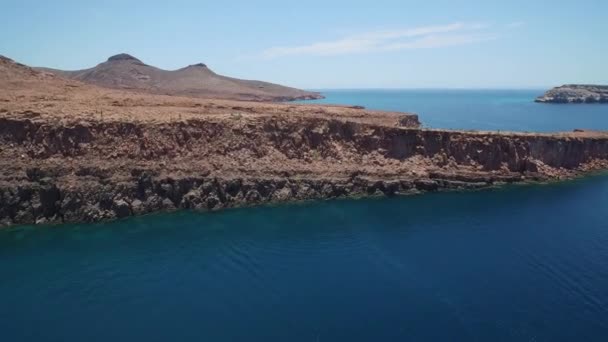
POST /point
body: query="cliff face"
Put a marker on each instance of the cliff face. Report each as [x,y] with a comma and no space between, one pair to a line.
[576,93]
[70,152]
[93,170]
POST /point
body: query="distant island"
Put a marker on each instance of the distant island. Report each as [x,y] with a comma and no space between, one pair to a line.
[576,93]
[126,72]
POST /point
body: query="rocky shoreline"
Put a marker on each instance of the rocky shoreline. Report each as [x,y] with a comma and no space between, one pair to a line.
[87,171]
[72,152]
[44,202]
[575,93]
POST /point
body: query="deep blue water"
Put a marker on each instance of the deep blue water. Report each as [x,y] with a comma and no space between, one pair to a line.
[478,109]
[526,263]
[522,263]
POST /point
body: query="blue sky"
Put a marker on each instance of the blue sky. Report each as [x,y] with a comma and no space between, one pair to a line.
[325,44]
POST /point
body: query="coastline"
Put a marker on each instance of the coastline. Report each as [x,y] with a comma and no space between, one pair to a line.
[378,196]
[86,169]
[72,152]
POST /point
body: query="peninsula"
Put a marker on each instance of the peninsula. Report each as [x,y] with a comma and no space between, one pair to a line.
[72,151]
[576,93]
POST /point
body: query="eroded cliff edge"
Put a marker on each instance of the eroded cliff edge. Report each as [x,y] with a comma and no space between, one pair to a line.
[71,152]
[88,169]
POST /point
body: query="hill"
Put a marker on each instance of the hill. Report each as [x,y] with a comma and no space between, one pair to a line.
[126,72]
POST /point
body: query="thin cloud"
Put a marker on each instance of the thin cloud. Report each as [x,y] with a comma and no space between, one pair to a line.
[439,41]
[515,24]
[389,40]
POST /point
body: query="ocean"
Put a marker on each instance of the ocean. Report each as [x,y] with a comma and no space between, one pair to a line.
[519,263]
[506,110]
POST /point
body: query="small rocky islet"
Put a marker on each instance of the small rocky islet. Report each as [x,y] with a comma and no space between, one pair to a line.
[576,93]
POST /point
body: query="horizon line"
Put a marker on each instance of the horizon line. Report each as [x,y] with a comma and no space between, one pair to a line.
[431,88]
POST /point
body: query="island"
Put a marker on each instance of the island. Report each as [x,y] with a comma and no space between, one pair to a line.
[71,151]
[576,93]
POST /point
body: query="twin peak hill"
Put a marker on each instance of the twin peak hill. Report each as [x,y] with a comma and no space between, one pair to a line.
[126,72]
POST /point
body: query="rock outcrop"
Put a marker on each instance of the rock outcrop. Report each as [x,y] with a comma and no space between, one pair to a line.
[97,170]
[576,93]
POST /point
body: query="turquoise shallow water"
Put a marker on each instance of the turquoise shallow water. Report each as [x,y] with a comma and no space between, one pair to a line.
[523,263]
[478,109]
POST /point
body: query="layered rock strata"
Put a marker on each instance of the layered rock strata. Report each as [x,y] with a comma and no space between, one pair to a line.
[91,170]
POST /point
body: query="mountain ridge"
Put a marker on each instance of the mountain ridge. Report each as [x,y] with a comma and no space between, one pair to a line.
[124,71]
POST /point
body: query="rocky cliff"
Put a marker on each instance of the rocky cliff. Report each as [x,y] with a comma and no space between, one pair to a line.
[576,93]
[72,152]
[89,170]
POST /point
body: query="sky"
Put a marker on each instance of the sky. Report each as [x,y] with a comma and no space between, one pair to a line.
[325,44]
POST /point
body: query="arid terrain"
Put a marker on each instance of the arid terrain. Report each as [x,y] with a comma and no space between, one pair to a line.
[126,72]
[71,151]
